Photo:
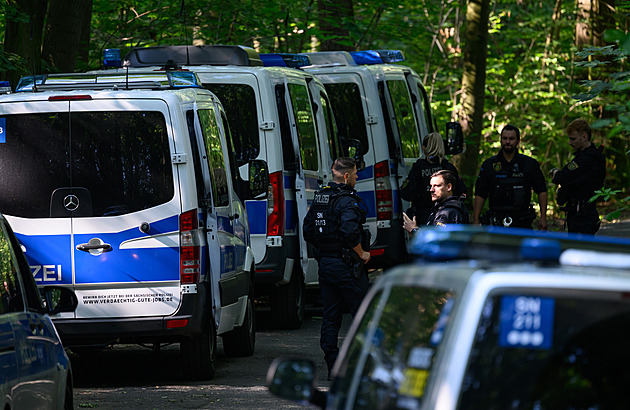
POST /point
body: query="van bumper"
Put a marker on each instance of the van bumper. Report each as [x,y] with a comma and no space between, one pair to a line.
[271,269]
[194,308]
[390,248]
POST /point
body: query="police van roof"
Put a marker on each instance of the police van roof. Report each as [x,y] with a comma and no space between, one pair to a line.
[192,55]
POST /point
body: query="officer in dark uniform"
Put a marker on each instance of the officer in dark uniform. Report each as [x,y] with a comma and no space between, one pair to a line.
[447,207]
[580,178]
[334,225]
[508,179]
[416,187]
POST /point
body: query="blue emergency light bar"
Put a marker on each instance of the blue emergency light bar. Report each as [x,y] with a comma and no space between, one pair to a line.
[369,57]
[285,60]
[115,80]
[5,87]
[111,58]
[391,56]
[498,243]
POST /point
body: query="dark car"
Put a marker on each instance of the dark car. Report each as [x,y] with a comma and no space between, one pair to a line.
[492,318]
[34,368]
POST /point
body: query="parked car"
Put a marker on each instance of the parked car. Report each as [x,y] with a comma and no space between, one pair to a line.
[35,371]
[124,188]
[489,319]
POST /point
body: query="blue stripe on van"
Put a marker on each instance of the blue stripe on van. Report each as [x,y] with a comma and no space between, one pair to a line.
[396,199]
[370,200]
[257,216]
[49,256]
[291,216]
[366,173]
[289,182]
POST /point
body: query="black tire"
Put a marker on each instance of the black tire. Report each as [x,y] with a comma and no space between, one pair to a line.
[242,341]
[199,354]
[287,303]
[68,399]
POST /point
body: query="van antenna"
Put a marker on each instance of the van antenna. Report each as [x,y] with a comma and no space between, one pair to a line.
[34,67]
[182,11]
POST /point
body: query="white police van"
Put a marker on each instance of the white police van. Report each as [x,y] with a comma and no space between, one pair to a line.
[384,110]
[281,116]
[121,187]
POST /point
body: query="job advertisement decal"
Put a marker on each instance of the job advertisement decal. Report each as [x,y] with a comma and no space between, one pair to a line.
[128,302]
[526,322]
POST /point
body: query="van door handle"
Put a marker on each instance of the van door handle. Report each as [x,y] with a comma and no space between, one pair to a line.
[86,247]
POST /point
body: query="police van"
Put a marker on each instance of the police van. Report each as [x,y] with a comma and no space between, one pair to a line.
[123,188]
[383,109]
[282,119]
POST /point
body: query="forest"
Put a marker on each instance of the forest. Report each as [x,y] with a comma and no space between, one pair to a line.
[536,64]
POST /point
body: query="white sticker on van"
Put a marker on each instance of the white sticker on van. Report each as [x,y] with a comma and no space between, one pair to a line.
[127,302]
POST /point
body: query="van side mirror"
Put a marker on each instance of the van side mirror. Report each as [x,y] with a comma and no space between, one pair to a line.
[59,299]
[292,379]
[454,138]
[354,148]
[258,178]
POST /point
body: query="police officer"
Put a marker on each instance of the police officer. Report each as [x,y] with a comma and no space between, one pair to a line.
[334,225]
[416,188]
[580,178]
[508,179]
[447,208]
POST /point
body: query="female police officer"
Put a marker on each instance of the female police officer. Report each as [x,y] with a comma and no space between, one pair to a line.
[334,225]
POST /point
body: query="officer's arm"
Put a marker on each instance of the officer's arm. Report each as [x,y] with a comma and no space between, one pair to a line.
[578,176]
[477,207]
[365,256]
[542,200]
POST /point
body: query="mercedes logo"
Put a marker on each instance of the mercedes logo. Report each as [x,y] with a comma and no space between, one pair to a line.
[71,202]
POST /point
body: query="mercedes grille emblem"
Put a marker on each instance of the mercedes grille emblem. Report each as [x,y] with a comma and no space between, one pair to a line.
[71,202]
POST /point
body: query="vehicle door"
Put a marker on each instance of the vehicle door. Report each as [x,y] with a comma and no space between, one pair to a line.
[328,135]
[123,201]
[219,213]
[29,341]
[305,143]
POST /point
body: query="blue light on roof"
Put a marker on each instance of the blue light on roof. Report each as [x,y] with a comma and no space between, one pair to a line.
[184,79]
[272,60]
[111,58]
[26,83]
[5,87]
[366,57]
[537,249]
[391,56]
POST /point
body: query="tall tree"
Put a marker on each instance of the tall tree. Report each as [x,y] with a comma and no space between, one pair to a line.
[334,16]
[474,82]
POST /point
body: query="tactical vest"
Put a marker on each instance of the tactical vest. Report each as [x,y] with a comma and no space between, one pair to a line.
[511,190]
[321,225]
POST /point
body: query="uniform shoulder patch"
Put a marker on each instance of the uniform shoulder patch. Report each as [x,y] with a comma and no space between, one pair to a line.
[496,166]
[440,224]
[572,166]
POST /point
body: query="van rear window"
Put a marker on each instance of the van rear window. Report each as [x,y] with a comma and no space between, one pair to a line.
[239,102]
[346,102]
[120,158]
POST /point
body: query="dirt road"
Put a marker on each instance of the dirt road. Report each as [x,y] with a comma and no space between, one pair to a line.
[136,377]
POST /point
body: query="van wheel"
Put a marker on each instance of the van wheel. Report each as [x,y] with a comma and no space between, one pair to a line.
[287,303]
[199,354]
[242,341]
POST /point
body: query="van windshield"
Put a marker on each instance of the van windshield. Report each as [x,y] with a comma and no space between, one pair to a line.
[121,160]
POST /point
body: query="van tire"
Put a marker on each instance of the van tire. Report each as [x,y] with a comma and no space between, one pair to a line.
[199,354]
[241,342]
[287,303]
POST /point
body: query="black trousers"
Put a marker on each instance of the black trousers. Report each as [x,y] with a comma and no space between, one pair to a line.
[583,218]
[340,290]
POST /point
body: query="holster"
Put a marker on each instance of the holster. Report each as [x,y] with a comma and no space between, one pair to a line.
[352,260]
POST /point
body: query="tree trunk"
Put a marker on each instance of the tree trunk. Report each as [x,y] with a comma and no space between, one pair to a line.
[332,14]
[474,83]
[63,32]
[594,17]
[25,39]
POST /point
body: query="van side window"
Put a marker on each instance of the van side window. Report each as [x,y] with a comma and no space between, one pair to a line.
[214,153]
[394,149]
[239,101]
[426,109]
[10,291]
[288,153]
[403,110]
[305,126]
[201,191]
[334,143]
[348,108]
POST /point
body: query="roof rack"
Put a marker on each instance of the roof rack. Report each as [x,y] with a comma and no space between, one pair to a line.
[285,60]
[496,243]
[153,80]
[219,55]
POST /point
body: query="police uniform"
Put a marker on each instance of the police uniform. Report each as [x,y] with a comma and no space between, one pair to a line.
[450,211]
[416,188]
[509,186]
[579,180]
[334,225]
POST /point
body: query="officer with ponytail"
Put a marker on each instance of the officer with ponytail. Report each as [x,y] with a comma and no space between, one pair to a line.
[334,226]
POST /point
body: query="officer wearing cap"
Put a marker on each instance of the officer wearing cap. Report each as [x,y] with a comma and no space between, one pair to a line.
[508,179]
[580,178]
[334,225]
